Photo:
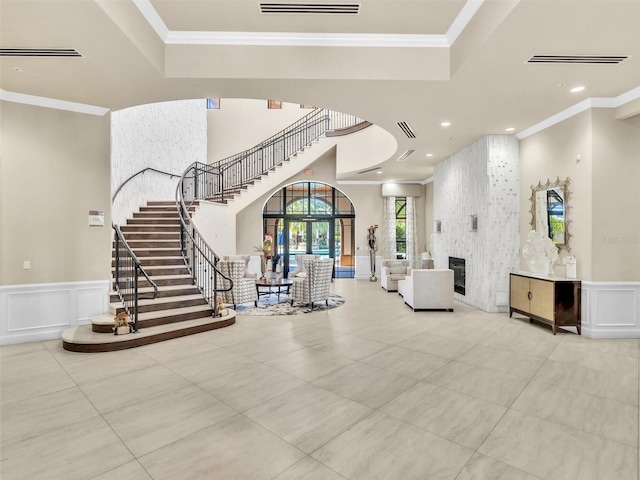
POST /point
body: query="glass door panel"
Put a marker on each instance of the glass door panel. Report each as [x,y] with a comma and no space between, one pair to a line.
[320,238]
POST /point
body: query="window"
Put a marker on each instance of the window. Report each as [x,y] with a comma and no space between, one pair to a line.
[213,104]
[274,104]
[401,225]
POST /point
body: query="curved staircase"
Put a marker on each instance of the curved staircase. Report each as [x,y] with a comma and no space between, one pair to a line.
[179,308]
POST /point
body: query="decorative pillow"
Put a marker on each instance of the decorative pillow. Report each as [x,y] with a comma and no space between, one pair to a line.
[400,269]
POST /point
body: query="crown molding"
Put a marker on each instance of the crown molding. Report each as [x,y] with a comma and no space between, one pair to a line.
[589,103]
[462,20]
[52,103]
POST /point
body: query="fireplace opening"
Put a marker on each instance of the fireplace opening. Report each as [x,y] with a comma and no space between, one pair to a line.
[458,267]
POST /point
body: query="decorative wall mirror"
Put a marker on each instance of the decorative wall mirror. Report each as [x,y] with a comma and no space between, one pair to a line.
[549,205]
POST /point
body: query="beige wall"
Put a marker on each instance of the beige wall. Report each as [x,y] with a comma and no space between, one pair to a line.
[550,154]
[55,168]
[243,123]
[604,207]
[616,197]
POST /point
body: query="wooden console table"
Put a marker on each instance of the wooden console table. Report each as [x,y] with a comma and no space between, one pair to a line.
[554,301]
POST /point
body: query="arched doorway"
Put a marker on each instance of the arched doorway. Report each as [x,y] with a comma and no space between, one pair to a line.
[315,218]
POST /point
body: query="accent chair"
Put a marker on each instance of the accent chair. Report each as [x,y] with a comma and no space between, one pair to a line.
[315,286]
[392,271]
[244,289]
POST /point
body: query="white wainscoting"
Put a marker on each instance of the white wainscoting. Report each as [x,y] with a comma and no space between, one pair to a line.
[611,309]
[30,313]
[363,267]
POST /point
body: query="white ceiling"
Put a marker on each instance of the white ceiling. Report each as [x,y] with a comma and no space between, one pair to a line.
[395,61]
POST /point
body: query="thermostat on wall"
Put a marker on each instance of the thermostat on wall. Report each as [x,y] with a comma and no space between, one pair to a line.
[96,218]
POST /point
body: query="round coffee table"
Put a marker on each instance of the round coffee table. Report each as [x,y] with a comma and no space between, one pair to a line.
[269,286]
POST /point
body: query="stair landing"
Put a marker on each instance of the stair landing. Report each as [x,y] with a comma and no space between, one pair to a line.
[83,339]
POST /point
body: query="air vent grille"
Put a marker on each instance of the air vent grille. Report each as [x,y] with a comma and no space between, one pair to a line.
[369,170]
[406,129]
[589,59]
[311,8]
[404,156]
[39,52]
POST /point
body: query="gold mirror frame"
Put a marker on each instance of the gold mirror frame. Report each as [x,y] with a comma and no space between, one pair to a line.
[564,184]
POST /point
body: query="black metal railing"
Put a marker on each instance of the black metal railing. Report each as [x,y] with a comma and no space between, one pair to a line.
[229,175]
[199,257]
[127,272]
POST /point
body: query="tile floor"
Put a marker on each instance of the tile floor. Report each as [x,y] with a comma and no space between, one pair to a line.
[369,390]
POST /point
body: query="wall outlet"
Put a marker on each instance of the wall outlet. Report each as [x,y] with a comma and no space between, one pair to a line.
[26,265]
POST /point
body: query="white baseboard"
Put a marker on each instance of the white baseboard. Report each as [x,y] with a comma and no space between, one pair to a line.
[31,313]
[611,309]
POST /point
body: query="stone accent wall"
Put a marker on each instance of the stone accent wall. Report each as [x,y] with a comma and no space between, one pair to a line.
[481,180]
[167,136]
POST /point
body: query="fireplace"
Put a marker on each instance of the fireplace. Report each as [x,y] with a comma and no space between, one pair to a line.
[458,266]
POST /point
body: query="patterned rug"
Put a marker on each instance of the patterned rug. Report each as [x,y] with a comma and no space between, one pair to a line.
[269,305]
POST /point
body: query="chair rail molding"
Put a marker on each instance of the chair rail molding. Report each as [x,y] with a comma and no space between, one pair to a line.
[611,309]
[32,313]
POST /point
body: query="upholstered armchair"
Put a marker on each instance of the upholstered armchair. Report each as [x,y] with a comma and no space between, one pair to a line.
[316,285]
[392,271]
[244,289]
[299,270]
[428,289]
[246,259]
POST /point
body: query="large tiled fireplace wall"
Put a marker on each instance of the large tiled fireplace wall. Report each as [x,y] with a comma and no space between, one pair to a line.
[476,201]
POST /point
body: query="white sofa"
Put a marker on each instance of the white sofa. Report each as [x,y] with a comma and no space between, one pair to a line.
[428,289]
[392,271]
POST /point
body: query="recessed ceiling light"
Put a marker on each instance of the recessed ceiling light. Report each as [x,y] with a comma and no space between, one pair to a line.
[577,89]
[509,129]
[17,69]
[429,154]
[445,124]
[379,172]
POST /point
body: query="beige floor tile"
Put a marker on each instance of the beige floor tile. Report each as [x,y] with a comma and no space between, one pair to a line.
[224,337]
[366,384]
[481,467]
[151,424]
[385,334]
[18,384]
[603,417]
[308,417]
[178,349]
[76,452]
[236,448]
[556,452]
[460,418]
[582,355]
[628,347]
[266,348]
[21,349]
[208,364]
[112,393]
[90,367]
[471,330]
[490,385]
[618,386]
[354,347]
[525,339]
[129,471]
[435,345]
[412,363]
[310,363]
[250,385]
[310,336]
[34,416]
[381,446]
[524,366]
[309,469]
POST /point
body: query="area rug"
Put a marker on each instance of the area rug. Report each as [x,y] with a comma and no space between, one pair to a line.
[269,305]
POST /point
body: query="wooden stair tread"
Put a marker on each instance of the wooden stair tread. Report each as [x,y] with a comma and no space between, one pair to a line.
[161,300]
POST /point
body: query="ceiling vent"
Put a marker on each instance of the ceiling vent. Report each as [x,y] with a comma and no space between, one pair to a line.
[39,52]
[406,129]
[588,59]
[404,156]
[369,170]
[311,8]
